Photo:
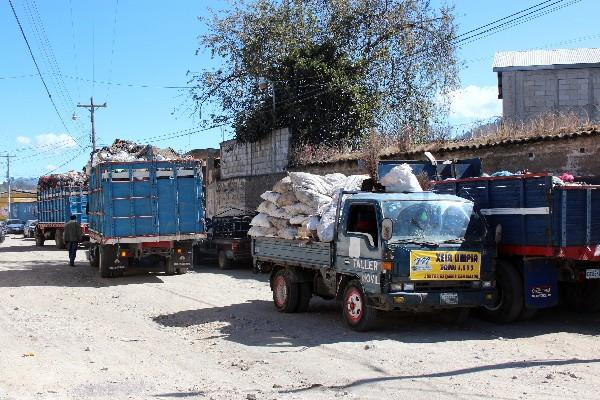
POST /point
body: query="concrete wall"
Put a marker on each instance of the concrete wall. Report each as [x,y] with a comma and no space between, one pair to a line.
[530,93]
[269,155]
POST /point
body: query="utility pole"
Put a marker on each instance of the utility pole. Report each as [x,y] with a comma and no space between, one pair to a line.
[92,107]
[8,157]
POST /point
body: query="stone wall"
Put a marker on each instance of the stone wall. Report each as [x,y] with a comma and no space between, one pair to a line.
[269,155]
[533,92]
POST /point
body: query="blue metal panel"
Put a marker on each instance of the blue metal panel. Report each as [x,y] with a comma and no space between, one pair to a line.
[540,278]
[58,204]
[146,198]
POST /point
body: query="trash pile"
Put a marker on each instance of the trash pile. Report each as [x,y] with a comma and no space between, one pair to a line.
[71,178]
[126,150]
[302,206]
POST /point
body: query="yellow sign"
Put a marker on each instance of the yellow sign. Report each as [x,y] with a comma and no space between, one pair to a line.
[444,265]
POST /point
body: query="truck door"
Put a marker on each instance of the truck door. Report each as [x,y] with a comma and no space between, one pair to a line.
[359,248]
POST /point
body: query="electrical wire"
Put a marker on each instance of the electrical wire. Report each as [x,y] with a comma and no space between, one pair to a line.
[38,69]
[112,51]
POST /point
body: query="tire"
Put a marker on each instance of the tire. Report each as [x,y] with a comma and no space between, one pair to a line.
[58,239]
[106,259]
[357,314]
[510,295]
[181,271]
[169,267]
[94,256]
[39,240]
[224,262]
[305,293]
[286,292]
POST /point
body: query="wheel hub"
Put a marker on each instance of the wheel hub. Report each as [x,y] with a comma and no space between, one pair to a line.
[280,291]
[354,305]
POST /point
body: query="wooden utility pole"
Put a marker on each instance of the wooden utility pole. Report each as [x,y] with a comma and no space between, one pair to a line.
[92,107]
[8,157]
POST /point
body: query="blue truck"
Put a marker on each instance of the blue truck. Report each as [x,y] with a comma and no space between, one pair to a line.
[145,215]
[391,251]
[548,241]
[55,206]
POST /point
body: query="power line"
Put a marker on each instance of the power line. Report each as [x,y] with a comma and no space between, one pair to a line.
[68,161]
[38,69]
[74,45]
[112,51]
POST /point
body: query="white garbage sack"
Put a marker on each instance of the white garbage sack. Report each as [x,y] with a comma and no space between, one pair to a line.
[299,208]
[261,220]
[279,223]
[304,180]
[299,219]
[285,199]
[287,233]
[401,179]
[312,198]
[312,223]
[270,196]
[283,186]
[272,210]
[257,231]
[326,224]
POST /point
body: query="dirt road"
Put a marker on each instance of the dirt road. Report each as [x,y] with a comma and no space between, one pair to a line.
[66,333]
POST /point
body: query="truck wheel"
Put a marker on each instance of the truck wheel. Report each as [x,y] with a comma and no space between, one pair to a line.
[304,295]
[510,295]
[107,254]
[58,239]
[224,262]
[358,315]
[181,271]
[39,239]
[285,292]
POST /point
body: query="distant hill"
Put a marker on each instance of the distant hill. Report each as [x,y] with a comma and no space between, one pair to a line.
[20,183]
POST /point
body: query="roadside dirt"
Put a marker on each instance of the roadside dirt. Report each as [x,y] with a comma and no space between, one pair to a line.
[66,333]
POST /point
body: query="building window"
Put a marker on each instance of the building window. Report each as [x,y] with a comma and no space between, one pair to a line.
[531,156]
[500,85]
[582,150]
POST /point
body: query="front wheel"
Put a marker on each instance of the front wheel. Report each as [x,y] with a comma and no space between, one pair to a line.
[358,315]
[106,260]
[285,292]
[510,295]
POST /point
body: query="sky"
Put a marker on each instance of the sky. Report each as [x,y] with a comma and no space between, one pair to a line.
[143,46]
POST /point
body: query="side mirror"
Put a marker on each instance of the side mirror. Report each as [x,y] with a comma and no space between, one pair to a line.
[387,229]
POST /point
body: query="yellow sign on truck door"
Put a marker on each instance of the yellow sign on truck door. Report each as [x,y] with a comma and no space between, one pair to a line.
[444,265]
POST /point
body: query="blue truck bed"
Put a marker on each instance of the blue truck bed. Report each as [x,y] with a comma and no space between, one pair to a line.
[537,217]
[146,201]
[56,205]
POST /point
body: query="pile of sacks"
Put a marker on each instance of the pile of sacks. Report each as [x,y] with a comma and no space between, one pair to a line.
[126,150]
[302,206]
[71,178]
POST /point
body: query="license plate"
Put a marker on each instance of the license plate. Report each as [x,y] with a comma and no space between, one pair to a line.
[449,298]
[592,274]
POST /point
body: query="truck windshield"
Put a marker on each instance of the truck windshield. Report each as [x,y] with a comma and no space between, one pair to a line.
[431,221]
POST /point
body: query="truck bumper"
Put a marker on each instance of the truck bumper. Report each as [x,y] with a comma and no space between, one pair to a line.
[430,301]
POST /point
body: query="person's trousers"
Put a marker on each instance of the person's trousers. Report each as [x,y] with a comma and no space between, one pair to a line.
[72,247]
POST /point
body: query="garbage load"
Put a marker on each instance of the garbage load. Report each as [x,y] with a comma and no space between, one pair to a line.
[126,151]
[71,178]
[302,206]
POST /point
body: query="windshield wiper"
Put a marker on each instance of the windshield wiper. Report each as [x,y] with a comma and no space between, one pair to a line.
[417,241]
[458,240]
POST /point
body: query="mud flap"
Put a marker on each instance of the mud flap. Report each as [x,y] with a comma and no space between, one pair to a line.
[540,280]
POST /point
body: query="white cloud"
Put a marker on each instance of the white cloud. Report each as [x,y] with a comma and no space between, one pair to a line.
[475,102]
[61,140]
[23,140]
[51,167]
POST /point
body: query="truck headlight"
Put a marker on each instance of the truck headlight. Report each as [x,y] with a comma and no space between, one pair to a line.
[396,287]
[486,284]
[409,286]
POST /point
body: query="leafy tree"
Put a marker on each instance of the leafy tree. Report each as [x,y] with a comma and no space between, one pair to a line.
[336,67]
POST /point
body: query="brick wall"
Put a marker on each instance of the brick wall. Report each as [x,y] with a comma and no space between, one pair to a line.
[269,155]
[530,93]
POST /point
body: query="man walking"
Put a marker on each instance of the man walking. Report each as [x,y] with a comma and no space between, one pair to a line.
[72,237]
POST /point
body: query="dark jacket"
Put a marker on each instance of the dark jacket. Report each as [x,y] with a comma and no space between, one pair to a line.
[72,232]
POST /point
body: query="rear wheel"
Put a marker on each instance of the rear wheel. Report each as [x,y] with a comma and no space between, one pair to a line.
[39,239]
[58,239]
[93,256]
[510,295]
[224,262]
[285,292]
[106,260]
[358,315]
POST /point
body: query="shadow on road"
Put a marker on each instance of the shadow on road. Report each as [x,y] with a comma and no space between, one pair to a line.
[256,323]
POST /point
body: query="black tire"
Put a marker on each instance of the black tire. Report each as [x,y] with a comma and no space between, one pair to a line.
[94,256]
[286,292]
[181,271]
[223,261]
[510,295]
[39,240]
[455,315]
[58,239]
[107,254]
[169,267]
[357,314]
[305,293]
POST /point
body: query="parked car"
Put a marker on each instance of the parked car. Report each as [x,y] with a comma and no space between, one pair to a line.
[14,226]
[2,232]
[3,227]
[29,229]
